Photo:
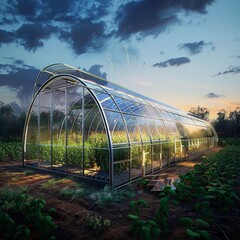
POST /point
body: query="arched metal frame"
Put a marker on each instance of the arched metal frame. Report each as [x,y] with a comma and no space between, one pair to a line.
[126,103]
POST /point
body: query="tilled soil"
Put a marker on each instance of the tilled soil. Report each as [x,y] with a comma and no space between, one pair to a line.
[71,211]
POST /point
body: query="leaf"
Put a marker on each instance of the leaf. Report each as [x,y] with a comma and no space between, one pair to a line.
[175,202]
[202,223]
[186,221]
[192,234]
[209,197]
[152,223]
[133,217]
[142,202]
[146,233]
[155,232]
[27,232]
[204,234]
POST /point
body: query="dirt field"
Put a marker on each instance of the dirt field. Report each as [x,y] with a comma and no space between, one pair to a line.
[72,209]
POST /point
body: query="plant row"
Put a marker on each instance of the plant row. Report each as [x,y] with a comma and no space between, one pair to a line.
[24,217]
[12,150]
[207,188]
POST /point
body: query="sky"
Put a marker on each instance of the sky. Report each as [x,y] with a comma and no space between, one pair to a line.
[185,53]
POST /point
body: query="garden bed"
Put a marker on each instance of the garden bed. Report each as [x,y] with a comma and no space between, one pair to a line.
[84,211]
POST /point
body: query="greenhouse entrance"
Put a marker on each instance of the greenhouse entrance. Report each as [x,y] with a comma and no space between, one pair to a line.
[85,126]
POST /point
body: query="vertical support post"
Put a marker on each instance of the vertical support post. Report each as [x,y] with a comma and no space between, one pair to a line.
[143,161]
[66,133]
[83,140]
[160,156]
[38,140]
[175,149]
[51,141]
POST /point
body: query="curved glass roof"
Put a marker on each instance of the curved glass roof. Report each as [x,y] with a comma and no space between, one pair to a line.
[145,119]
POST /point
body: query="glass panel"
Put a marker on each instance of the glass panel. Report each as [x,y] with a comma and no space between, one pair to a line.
[156,156]
[148,111]
[121,173]
[144,129]
[74,93]
[182,130]
[75,159]
[136,156]
[96,135]
[32,138]
[106,101]
[74,118]
[133,128]
[122,104]
[121,153]
[96,163]
[162,130]
[44,130]
[165,154]
[153,129]
[94,86]
[172,130]
[116,127]
[147,156]
[58,99]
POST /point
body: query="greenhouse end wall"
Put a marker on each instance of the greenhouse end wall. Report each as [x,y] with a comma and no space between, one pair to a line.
[86,126]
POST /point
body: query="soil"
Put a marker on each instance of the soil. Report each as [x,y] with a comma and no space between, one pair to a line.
[72,211]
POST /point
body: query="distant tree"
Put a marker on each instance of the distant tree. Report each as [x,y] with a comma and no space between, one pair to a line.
[235,117]
[11,126]
[200,112]
[227,126]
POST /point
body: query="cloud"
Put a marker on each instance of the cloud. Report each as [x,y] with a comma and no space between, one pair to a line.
[96,70]
[214,95]
[6,36]
[31,35]
[84,36]
[231,70]
[172,62]
[20,77]
[196,47]
[151,17]
[77,23]
[87,24]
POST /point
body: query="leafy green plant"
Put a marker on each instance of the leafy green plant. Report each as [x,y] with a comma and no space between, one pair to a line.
[96,223]
[195,228]
[148,230]
[22,215]
[162,214]
[135,205]
[72,192]
[12,150]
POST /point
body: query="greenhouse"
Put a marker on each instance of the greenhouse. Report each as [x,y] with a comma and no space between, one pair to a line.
[83,125]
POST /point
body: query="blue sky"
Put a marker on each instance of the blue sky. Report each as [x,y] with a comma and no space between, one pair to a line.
[182,52]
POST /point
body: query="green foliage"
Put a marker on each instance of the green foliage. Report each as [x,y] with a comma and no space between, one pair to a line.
[229,142]
[135,205]
[195,228]
[12,150]
[21,215]
[72,192]
[107,195]
[96,223]
[163,214]
[142,182]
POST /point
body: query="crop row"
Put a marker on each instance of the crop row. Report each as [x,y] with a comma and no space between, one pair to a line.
[11,150]
[208,188]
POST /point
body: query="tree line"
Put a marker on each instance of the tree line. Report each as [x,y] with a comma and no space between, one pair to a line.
[11,124]
[227,125]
